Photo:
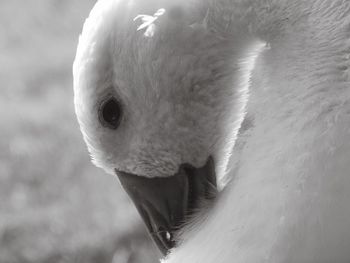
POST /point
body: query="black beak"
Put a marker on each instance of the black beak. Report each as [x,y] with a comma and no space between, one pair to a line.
[165,203]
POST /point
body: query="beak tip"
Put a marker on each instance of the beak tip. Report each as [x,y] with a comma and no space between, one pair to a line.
[164,203]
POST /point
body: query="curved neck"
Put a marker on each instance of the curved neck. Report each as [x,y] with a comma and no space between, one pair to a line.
[288,201]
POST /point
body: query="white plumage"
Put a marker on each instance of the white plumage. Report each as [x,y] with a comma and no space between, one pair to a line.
[183,86]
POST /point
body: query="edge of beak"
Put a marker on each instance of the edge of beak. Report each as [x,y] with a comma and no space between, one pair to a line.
[165,203]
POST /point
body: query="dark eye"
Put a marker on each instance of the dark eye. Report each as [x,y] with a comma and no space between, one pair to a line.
[110,113]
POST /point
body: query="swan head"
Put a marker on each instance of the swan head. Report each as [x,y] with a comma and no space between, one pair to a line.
[153,97]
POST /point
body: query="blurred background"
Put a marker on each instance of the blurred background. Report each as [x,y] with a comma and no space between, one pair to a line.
[54,205]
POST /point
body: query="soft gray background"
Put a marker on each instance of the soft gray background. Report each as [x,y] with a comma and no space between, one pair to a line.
[54,205]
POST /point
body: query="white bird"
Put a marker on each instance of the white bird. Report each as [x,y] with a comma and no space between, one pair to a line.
[161,90]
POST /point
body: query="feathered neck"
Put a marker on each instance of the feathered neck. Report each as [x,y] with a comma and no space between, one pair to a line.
[288,201]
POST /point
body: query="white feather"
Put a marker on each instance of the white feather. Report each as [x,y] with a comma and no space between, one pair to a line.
[288,199]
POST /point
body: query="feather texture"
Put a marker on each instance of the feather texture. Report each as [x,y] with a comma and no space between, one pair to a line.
[188,75]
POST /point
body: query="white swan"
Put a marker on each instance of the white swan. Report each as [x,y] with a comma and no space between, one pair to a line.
[169,88]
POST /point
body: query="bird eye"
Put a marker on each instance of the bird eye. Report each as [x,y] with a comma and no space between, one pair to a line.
[110,113]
